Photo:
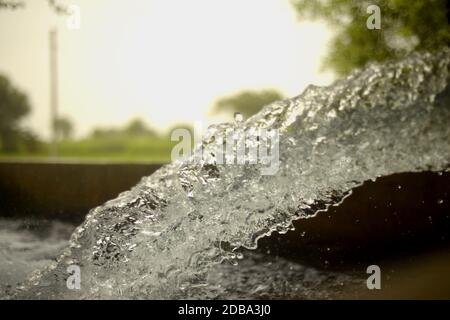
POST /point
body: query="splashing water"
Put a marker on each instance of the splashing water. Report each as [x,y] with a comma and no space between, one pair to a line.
[160,239]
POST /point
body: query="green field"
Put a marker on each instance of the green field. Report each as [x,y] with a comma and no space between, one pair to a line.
[110,149]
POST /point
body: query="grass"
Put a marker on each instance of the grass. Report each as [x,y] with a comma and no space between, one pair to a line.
[110,149]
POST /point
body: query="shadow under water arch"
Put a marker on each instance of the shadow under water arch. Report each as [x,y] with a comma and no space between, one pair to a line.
[399,222]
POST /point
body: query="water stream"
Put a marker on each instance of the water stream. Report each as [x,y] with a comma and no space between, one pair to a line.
[162,238]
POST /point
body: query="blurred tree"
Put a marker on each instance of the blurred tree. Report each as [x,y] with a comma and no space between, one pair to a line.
[137,127]
[16,4]
[247,102]
[28,141]
[13,107]
[10,4]
[406,25]
[104,133]
[63,128]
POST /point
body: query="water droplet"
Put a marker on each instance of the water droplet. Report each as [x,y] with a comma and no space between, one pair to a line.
[151,233]
[233,262]
[238,117]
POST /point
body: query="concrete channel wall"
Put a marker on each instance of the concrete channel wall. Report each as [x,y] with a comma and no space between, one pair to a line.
[64,191]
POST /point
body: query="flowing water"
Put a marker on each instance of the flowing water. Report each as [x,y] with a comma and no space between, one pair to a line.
[178,229]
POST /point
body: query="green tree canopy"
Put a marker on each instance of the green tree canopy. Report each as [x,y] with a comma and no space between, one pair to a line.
[247,102]
[406,25]
[63,128]
[13,107]
[135,128]
[138,127]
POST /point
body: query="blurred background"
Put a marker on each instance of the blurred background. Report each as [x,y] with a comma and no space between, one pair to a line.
[110,79]
[129,73]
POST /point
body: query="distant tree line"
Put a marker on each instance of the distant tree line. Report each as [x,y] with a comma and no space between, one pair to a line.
[18,4]
[135,128]
[247,102]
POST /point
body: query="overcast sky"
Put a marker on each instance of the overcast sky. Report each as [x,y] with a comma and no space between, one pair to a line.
[163,60]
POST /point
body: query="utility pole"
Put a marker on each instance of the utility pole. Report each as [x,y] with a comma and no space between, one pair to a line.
[54,90]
